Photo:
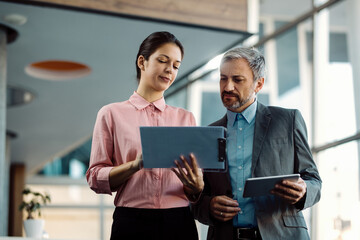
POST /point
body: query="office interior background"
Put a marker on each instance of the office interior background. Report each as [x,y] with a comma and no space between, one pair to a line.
[312,54]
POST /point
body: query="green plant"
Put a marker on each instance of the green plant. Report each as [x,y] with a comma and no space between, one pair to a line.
[35,202]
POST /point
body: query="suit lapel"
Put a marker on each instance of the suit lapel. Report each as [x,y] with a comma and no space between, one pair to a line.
[262,121]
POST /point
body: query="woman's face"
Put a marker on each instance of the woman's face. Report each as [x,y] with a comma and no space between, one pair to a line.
[160,70]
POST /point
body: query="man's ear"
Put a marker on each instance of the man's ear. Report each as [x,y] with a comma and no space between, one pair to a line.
[259,84]
[141,62]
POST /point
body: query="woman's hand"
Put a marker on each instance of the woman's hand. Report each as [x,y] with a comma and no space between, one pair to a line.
[138,162]
[192,178]
[120,174]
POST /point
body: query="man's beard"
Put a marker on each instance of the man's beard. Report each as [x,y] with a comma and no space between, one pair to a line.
[237,104]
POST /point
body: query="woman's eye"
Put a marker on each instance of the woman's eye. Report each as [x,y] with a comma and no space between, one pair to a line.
[176,67]
[162,61]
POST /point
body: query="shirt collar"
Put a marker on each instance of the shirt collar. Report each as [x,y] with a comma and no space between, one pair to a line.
[248,114]
[140,103]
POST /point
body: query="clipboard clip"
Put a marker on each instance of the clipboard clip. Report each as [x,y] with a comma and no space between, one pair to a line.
[222,149]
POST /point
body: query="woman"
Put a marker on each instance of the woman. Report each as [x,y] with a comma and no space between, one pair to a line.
[150,203]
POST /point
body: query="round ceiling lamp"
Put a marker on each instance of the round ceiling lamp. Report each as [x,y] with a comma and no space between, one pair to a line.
[57,70]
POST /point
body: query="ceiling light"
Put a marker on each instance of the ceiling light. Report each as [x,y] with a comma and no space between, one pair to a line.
[57,70]
[15,19]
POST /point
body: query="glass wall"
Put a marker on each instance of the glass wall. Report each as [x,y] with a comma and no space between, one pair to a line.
[337,212]
[328,107]
[80,212]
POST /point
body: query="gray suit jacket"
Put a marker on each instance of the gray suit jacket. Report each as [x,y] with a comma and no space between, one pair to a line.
[280,147]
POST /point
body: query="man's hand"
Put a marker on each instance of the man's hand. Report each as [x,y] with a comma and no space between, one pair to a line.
[192,178]
[290,191]
[224,208]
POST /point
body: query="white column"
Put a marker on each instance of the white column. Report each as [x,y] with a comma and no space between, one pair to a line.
[320,67]
[253,12]
[353,37]
[4,165]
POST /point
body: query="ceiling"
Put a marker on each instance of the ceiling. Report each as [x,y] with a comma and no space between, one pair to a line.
[62,114]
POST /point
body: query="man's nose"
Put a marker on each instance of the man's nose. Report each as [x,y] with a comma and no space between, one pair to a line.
[229,86]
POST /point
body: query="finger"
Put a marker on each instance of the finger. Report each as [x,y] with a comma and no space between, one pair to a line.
[226,201]
[181,171]
[196,170]
[178,175]
[226,208]
[299,184]
[223,206]
[289,190]
[179,168]
[176,172]
[217,214]
[286,196]
[284,193]
[187,166]
[193,161]
[293,185]
[223,216]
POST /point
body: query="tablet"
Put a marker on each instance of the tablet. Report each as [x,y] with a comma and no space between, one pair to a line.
[161,146]
[260,186]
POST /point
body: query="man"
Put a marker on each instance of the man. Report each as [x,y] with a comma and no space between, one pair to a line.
[261,141]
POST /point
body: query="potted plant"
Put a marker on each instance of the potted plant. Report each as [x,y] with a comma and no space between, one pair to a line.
[32,203]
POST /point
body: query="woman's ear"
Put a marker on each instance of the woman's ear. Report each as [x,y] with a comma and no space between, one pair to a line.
[141,62]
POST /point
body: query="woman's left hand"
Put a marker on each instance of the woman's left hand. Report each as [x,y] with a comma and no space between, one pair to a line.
[192,178]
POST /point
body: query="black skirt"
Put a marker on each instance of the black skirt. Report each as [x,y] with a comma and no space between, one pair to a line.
[140,223]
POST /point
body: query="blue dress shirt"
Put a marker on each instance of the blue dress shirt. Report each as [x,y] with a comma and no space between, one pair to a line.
[240,135]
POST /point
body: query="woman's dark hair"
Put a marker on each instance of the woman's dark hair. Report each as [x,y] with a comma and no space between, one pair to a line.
[152,43]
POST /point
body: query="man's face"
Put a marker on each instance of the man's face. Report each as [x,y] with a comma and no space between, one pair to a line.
[237,86]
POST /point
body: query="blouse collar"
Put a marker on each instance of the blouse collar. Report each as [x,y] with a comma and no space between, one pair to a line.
[140,103]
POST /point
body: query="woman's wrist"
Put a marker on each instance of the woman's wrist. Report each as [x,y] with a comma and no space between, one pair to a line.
[192,195]
[137,164]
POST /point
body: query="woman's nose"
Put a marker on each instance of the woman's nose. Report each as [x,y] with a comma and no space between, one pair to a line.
[168,68]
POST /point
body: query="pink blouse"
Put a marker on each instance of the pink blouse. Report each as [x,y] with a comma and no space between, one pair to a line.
[116,140]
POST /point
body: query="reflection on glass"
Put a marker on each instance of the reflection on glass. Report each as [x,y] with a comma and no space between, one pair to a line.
[339,207]
[69,195]
[70,223]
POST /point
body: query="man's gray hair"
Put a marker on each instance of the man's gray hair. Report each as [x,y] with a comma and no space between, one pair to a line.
[255,59]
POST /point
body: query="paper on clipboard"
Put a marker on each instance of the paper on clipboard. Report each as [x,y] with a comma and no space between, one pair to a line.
[260,186]
[161,146]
